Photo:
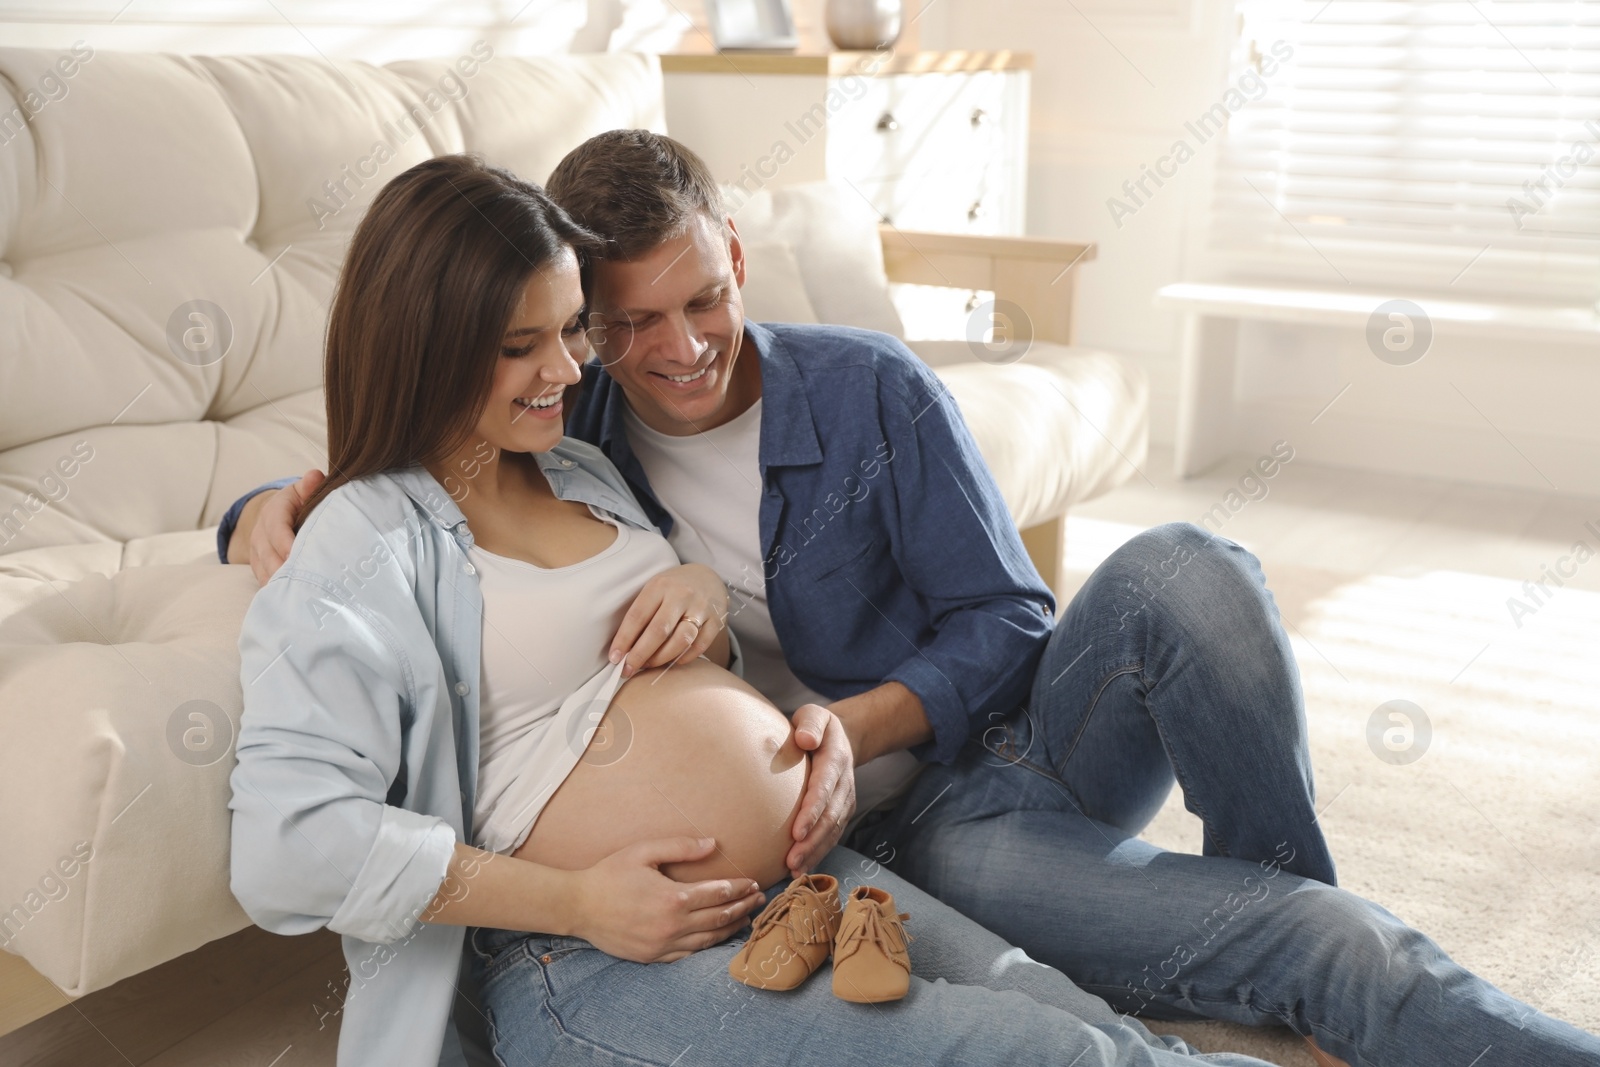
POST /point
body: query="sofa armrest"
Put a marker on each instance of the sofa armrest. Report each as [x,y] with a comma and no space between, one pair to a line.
[1038,275]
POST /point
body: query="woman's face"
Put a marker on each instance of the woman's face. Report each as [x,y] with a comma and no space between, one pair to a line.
[539,357]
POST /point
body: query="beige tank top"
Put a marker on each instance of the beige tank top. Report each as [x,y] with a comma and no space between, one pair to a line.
[546,681]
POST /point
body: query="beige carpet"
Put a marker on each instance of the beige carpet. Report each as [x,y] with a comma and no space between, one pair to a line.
[1490,842]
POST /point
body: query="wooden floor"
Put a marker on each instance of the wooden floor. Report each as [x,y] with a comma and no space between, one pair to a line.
[257,1000]
[250,1000]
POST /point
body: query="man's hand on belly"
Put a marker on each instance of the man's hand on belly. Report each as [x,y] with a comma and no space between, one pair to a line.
[855,730]
[830,798]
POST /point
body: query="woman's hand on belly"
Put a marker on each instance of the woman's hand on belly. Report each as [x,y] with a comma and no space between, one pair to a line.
[627,908]
[680,614]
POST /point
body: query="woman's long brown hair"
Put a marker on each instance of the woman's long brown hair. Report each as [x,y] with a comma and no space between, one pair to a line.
[430,282]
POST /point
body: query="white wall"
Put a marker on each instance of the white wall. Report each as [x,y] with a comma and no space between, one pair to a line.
[374,30]
[1114,84]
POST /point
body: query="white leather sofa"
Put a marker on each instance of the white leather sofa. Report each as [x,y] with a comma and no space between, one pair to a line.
[141,183]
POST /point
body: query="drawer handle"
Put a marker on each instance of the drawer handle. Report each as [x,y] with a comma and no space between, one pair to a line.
[975,212]
[887,123]
[979,117]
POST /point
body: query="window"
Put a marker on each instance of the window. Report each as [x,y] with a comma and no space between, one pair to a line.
[1437,145]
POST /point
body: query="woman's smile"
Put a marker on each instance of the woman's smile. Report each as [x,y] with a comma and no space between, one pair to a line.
[540,405]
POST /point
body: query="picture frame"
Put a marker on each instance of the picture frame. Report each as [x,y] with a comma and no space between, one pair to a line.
[751,25]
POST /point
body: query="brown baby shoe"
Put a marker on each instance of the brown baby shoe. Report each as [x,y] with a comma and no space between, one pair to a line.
[792,935]
[870,961]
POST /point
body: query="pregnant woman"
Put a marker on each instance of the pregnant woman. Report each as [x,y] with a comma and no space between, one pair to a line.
[469,598]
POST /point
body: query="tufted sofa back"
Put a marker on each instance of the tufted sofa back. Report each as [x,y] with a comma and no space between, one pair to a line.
[171,228]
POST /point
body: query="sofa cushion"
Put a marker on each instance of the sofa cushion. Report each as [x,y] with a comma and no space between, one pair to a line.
[834,236]
[1064,424]
[773,289]
[121,699]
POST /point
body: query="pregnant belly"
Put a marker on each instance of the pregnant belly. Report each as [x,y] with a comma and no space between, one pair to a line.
[691,750]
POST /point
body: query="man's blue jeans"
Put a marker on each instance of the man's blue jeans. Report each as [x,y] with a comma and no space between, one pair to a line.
[1171,663]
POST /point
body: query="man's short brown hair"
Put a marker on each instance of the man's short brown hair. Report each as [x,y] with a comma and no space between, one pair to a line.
[635,189]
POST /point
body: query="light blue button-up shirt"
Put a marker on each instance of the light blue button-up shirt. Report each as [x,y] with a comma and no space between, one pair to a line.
[358,748]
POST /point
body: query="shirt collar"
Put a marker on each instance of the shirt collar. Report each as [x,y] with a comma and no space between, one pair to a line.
[424,489]
[557,467]
[788,429]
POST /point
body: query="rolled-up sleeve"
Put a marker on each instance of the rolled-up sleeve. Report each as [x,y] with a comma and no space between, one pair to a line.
[991,612]
[327,697]
[401,876]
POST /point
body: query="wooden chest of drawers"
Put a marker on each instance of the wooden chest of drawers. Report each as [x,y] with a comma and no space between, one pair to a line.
[934,140]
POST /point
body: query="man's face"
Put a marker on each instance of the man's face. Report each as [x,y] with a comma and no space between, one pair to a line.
[670,326]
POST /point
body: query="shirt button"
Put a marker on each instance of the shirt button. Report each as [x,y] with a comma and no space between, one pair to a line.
[566,463]
[469,568]
[462,688]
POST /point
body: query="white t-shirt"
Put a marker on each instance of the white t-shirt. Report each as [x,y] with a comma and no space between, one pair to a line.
[544,688]
[710,483]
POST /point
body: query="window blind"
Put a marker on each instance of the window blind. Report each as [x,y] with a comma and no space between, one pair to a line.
[1440,144]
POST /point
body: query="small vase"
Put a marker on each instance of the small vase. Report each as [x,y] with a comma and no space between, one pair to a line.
[864,24]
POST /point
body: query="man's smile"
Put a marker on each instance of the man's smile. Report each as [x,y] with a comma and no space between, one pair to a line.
[690,381]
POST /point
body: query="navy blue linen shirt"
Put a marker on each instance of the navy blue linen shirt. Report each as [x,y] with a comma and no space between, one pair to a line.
[889,554]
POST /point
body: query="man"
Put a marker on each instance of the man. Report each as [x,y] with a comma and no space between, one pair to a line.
[880,592]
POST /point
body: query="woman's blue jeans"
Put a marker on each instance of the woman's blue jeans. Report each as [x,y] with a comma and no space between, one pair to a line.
[1171,664]
[974,1001]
